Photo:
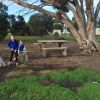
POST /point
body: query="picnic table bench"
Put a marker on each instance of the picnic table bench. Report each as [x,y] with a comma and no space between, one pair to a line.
[64,50]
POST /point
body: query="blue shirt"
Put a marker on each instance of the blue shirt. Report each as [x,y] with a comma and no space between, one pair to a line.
[21,47]
[13,44]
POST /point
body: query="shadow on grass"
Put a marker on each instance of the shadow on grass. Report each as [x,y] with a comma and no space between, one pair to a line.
[73,85]
[13,72]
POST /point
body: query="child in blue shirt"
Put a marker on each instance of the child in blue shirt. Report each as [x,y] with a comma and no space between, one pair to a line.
[22,51]
[21,47]
[13,46]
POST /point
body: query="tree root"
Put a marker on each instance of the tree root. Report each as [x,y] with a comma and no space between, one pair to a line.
[89,47]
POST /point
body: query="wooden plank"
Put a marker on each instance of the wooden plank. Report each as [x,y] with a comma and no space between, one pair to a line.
[37,43]
[52,41]
[54,48]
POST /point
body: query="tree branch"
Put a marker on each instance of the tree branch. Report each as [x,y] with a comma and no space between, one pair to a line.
[34,7]
[82,11]
[89,14]
[78,21]
[71,27]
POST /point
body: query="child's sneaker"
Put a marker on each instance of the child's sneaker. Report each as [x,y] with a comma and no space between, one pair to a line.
[9,63]
[17,64]
[14,59]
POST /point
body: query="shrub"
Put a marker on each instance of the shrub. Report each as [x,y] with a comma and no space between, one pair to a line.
[56,35]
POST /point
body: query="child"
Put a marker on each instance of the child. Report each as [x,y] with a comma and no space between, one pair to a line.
[22,51]
[21,47]
[13,46]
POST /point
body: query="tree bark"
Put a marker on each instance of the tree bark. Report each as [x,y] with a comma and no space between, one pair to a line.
[79,23]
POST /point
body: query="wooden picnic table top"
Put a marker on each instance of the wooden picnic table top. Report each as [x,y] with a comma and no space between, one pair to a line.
[52,41]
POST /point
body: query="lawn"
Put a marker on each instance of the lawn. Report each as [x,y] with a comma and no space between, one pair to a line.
[31,38]
[35,38]
[79,84]
[47,37]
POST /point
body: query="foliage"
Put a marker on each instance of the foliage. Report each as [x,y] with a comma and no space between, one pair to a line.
[60,4]
[4,23]
[56,36]
[40,24]
[17,25]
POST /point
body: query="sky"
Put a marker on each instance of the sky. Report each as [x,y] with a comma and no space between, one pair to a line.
[15,9]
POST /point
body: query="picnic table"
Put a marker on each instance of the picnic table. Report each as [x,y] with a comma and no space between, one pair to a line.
[43,43]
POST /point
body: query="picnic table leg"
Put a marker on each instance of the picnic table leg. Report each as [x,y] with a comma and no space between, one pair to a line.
[64,52]
[26,57]
[59,45]
[44,53]
[40,46]
[43,45]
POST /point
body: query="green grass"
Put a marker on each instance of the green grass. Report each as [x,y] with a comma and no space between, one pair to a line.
[90,91]
[32,88]
[68,37]
[47,37]
[98,39]
[35,38]
[31,38]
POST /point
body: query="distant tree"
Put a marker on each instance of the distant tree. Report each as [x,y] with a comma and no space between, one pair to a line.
[12,20]
[26,31]
[17,24]
[4,23]
[40,24]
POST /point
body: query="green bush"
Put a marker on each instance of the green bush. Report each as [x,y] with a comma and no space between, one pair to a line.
[56,35]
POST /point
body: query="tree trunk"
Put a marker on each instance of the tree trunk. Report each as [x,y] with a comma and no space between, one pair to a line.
[86,44]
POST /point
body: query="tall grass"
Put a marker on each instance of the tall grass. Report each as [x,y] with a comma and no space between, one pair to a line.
[32,87]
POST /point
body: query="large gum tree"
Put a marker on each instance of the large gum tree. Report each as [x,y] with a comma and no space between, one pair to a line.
[85,13]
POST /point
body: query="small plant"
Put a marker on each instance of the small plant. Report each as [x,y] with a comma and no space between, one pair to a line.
[56,35]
